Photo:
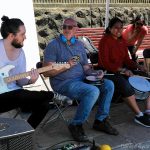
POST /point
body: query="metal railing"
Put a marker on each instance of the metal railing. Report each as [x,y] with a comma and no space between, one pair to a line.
[90,1]
[86,3]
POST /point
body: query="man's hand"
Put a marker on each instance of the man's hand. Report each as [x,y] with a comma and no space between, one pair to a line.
[33,76]
[73,61]
[98,73]
[128,73]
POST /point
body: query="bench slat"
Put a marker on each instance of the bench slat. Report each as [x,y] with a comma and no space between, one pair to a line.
[95,34]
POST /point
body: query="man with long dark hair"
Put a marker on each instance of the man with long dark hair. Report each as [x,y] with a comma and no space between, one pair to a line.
[13,62]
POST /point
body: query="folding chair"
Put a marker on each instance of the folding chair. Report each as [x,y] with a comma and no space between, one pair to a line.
[59,109]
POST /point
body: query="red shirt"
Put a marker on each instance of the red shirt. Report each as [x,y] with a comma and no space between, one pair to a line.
[113,54]
[130,28]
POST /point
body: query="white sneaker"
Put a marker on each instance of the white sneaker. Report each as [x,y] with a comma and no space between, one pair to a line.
[62,100]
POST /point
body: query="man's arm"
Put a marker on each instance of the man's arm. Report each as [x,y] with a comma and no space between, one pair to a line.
[53,72]
[72,62]
[138,44]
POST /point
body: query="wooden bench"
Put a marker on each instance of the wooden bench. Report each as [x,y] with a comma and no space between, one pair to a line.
[95,35]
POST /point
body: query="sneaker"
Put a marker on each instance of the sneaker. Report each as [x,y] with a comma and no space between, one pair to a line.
[62,100]
[77,133]
[104,126]
[143,120]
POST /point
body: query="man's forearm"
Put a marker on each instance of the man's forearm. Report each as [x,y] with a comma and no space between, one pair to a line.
[54,72]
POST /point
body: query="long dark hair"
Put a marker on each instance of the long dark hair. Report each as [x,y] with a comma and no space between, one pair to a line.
[111,24]
[10,26]
[138,18]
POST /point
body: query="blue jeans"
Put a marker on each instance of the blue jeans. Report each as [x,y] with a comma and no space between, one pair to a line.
[88,94]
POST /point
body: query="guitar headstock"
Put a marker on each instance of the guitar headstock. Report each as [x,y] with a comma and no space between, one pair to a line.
[60,65]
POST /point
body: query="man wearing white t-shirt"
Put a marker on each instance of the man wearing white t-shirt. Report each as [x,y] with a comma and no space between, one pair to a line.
[13,62]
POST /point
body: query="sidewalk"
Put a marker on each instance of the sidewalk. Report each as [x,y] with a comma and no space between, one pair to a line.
[132,136]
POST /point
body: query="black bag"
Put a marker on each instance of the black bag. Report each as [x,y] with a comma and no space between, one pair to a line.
[92,51]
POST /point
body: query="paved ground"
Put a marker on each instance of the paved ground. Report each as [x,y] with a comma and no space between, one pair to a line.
[132,136]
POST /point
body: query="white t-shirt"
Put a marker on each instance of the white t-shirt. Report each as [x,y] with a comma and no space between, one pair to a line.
[19,67]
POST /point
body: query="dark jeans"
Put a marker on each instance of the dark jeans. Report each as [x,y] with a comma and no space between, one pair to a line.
[134,56]
[122,85]
[36,101]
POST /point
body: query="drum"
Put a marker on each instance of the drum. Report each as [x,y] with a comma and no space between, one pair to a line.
[94,80]
[141,87]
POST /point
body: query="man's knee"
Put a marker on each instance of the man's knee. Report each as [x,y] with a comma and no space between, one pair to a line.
[93,90]
[109,85]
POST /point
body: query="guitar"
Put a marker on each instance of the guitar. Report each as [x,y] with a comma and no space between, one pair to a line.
[5,78]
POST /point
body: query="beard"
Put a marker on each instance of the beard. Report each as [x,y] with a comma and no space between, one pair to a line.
[16,44]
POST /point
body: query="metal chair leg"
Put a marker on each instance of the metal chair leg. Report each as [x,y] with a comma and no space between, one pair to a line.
[60,111]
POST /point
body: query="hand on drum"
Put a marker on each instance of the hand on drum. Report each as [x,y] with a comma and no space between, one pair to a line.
[125,71]
[128,73]
[98,73]
[94,77]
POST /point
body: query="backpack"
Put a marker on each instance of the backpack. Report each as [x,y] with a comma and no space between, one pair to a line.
[91,50]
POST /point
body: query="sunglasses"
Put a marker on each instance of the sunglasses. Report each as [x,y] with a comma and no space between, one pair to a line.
[68,27]
[139,24]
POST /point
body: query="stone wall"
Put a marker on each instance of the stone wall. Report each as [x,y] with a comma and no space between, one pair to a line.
[48,22]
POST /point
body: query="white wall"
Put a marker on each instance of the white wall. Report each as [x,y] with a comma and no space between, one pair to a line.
[23,9]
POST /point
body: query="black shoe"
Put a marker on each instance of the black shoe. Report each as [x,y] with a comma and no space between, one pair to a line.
[143,120]
[78,133]
[105,127]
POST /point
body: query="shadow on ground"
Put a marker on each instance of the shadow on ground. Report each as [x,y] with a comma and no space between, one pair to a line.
[132,136]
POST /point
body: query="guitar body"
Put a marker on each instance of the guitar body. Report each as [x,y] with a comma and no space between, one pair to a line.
[4,72]
[5,78]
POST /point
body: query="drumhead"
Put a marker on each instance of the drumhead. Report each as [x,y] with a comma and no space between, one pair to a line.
[92,78]
[139,83]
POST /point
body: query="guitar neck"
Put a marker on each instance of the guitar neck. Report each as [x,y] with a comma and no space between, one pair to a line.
[26,74]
